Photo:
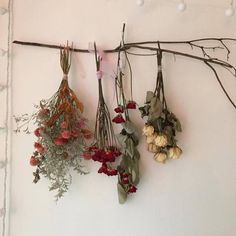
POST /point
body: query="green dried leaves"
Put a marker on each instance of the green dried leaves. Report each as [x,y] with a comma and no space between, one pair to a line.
[149,96]
[129,164]
[155,109]
[153,106]
[129,127]
[122,195]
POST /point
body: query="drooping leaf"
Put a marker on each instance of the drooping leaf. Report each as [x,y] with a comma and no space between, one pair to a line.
[130,147]
[149,96]
[178,126]
[135,172]
[136,154]
[155,107]
[129,127]
[144,110]
[121,139]
[122,195]
[135,139]
[125,162]
[41,105]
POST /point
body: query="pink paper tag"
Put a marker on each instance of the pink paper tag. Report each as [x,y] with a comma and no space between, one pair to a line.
[99,74]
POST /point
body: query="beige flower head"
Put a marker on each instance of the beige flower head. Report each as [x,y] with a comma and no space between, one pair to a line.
[160,157]
[148,130]
[151,138]
[152,148]
[174,152]
[161,140]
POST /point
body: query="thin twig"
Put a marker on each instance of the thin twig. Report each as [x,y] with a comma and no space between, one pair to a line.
[221,85]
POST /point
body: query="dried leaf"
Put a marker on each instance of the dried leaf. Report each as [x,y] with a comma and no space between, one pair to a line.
[77,101]
[144,110]
[129,127]
[149,96]
[178,126]
[80,105]
[122,195]
[121,139]
[135,139]
[155,107]
[130,147]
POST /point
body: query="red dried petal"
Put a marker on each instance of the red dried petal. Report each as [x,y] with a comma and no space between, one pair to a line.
[34,161]
[64,125]
[87,156]
[75,133]
[87,133]
[65,134]
[37,132]
[111,172]
[131,105]
[125,181]
[124,175]
[59,141]
[119,109]
[132,189]
[118,119]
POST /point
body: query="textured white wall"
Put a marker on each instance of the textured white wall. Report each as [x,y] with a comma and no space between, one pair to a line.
[5,116]
[194,195]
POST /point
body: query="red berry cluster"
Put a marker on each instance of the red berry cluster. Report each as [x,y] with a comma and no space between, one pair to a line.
[126,183]
[106,170]
[131,105]
[103,156]
[118,119]
[120,109]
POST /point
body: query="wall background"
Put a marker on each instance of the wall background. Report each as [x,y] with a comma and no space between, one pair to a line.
[194,195]
[5,115]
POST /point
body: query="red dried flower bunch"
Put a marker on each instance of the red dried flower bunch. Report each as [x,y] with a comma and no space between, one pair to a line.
[104,150]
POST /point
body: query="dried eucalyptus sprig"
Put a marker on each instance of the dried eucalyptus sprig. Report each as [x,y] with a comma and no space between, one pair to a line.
[162,125]
[104,150]
[61,133]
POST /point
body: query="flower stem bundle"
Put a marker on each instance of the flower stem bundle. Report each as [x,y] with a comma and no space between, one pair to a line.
[61,133]
[162,125]
[104,149]
[128,169]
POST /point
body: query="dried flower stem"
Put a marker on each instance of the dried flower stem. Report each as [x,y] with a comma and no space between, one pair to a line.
[104,134]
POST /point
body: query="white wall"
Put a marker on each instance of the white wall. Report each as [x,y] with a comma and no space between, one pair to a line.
[193,196]
[5,116]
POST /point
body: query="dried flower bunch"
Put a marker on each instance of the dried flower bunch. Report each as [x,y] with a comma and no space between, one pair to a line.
[128,169]
[162,125]
[61,133]
[104,149]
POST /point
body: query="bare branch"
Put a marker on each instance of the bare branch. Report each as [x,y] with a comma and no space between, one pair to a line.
[219,81]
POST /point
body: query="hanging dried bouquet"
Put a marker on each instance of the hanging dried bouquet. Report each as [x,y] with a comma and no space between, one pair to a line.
[61,133]
[104,149]
[162,125]
[128,169]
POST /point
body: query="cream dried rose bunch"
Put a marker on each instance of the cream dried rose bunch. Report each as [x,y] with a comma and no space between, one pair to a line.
[162,125]
[160,145]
